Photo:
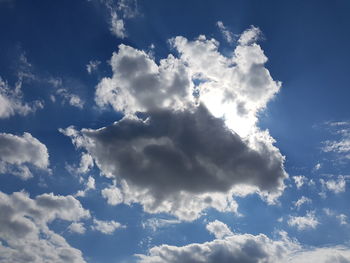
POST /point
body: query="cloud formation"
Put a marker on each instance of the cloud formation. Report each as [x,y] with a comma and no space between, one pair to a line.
[341,145]
[334,185]
[106,227]
[11,101]
[189,136]
[25,234]
[225,32]
[219,229]
[19,153]
[309,221]
[246,248]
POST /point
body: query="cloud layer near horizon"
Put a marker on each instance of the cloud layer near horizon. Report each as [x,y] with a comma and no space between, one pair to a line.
[244,248]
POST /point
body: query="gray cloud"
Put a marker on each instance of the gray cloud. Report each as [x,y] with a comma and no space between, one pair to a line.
[189,138]
[189,151]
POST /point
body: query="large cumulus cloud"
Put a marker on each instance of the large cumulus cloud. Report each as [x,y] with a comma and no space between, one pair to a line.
[189,137]
[24,233]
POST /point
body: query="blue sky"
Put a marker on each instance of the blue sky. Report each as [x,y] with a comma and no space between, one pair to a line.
[174,131]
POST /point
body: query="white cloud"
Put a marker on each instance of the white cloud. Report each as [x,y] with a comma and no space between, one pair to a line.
[155,223]
[113,195]
[309,221]
[119,12]
[92,66]
[340,146]
[11,101]
[225,32]
[246,248]
[299,180]
[106,227]
[317,166]
[249,36]
[76,227]
[219,229]
[198,138]
[19,153]
[72,99]
[301,201]
[89,185]
[336,186]
[24,231]
[117,26]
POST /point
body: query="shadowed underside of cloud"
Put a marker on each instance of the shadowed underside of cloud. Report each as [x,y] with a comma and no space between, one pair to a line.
[189,135]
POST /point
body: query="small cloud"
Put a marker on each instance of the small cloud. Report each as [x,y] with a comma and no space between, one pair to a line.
[77,228]
[156,223]
[92,66]
[299,180]
[113,195]
[219,229]
[117,26]
[301,201]
[336,186]
[72,99]
[309,221]
[225,32]
[106,227]
[317,167]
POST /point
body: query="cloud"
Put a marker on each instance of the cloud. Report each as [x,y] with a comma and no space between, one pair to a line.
[77,228]
[225,32]
[106,227]
[301,201]
[309,221]
[242,248]
[299,180]
[189,137]
[85,165]
[342,218]
[317,167]
[89,185]
[119,11]
[11,101]
[19,153]
[340,146]
[117,26]
[246,248]
[25,234]
[113,195]
[219,229]
[335,186]
[92,66]
[155,223]
[72,99]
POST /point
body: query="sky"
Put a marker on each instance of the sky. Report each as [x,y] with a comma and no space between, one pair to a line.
[174,131]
